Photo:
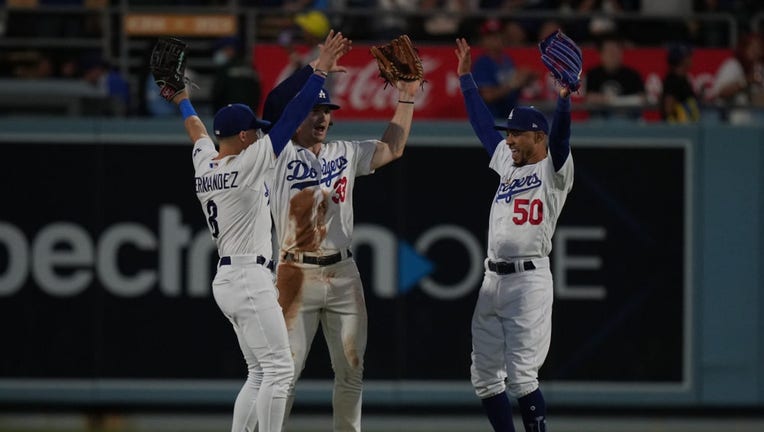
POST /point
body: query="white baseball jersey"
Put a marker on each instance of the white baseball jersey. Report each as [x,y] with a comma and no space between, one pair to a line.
[526,206]
[235,196]
[313,195]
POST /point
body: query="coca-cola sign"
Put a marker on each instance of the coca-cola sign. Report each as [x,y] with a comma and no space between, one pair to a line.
[362,94]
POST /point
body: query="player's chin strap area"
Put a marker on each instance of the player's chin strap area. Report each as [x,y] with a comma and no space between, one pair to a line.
[320,260]
[509,267]
[246,259]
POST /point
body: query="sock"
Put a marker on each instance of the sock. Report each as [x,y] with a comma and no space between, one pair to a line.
[533,409]
[499,412]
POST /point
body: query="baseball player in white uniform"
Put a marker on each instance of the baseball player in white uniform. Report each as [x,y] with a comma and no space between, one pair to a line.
[312,206]
[232,186]
[512,322]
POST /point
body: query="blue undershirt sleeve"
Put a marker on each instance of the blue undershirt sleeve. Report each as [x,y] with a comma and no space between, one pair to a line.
[294,113]
[284,92]
[559,136]
[480,117]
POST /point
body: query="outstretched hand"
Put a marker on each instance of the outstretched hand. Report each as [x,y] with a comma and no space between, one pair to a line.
[335,46]
[462,52]
[408,89]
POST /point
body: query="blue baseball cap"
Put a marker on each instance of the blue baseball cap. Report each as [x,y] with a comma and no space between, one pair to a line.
[234,118]
[323,100]
[676,53]
[525,118]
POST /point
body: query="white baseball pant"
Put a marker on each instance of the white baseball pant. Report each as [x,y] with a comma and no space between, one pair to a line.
[333,296]
[245,293]
[511,331]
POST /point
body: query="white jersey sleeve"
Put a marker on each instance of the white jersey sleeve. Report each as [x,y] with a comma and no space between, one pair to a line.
[501,159]
[365,153]
[526,206]
[313,195]
[203,150]
[235,197]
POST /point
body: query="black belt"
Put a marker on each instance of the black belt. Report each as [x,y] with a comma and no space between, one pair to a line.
[324,260]
[226,260]
[505,268]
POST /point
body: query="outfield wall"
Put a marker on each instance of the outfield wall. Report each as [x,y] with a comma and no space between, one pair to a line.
[105,263]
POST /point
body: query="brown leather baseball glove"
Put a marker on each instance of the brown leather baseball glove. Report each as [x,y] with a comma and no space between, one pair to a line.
[398,60]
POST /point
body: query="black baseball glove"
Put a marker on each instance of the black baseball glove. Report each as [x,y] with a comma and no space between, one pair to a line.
[168,66]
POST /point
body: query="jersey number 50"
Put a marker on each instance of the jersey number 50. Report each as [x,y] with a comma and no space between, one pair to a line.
[528,211]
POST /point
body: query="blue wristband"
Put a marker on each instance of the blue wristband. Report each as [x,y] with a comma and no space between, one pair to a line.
[186,109]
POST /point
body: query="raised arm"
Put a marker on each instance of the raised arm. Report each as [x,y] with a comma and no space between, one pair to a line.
[191,121]
[480,117]
[300,105]
[559,135]
[287,89]
[390,146]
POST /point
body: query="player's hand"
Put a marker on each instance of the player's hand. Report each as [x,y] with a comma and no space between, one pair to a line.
[564,92]
[408,89]
[462,52]
[334,47]
[178,98]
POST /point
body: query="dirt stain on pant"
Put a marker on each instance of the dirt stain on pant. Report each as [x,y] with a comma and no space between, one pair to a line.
[351,354]
[289,281]
[307,212]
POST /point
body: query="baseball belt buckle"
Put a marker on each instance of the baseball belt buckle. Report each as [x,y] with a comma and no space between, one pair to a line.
[291,257]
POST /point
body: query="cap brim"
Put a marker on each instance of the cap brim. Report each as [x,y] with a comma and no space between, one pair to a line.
[331,106]
[260,124]
[515,127]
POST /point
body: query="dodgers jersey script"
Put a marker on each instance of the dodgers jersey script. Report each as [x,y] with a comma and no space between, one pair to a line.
[313,202]
[526,206]
[235,196]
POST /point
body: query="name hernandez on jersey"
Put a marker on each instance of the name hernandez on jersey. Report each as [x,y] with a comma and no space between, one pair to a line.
[218,181]
[235,196]
[526,206]
[313,195]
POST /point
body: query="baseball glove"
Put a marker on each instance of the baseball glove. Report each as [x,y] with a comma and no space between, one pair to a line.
[563,58]
[398,60]
[168,66]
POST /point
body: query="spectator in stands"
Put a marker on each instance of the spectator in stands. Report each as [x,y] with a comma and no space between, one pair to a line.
[679,102]
[393,18]
[97,72]
[309,30]
[515,34]
[499,80]
[739,81]
[612,83]
[31,65]
[236,81]
[529,26]
[444,18]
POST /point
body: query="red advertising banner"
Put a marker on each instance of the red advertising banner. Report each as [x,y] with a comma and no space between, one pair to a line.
[361,93]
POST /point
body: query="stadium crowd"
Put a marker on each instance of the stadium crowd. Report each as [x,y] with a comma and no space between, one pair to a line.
[610,26]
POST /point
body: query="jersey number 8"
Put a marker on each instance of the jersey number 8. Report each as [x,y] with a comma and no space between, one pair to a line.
[212,212]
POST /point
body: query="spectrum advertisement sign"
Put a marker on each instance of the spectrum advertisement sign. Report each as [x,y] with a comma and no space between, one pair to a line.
[106,263]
